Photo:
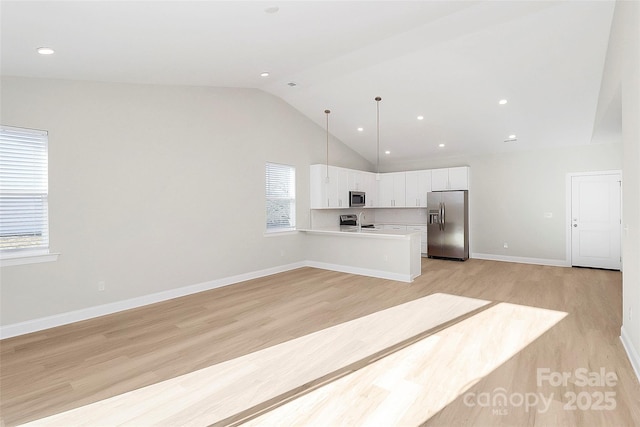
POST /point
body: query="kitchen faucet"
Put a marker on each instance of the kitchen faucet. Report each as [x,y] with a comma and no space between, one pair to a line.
[360,220]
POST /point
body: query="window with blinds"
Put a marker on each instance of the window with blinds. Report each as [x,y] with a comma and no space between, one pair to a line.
[24,225]
[281,197]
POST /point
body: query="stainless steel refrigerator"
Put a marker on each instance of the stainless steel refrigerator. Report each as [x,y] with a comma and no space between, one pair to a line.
[448,225]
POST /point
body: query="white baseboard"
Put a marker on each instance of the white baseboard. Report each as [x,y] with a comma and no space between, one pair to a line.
[522,260]
[633,355]
[360,271]
[42,323]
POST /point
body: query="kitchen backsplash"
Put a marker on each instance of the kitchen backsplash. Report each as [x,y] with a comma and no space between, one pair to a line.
[330,217]
[402,216]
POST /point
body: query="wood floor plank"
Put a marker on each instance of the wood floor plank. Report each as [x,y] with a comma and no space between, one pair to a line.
[219,392]
[422,378]
[173,338]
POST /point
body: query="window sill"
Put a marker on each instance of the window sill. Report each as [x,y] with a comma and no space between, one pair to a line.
[280,232]
[27,258]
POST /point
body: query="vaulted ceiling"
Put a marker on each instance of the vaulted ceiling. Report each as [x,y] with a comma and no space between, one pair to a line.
[449,62]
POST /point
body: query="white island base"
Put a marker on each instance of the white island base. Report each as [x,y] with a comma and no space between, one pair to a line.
[384,254]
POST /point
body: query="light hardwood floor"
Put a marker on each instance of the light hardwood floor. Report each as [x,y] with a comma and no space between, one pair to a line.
[412,384]
[241,387]
[57,370]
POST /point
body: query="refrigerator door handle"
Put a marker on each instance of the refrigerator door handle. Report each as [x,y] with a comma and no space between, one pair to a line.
[443,219]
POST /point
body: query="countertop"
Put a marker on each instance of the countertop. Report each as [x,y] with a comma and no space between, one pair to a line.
[353,231]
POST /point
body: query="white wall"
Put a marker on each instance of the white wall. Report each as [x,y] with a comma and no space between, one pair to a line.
[153,188]
[509,194]
[621,82]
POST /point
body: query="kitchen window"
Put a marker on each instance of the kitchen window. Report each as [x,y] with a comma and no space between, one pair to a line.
[24,216]
[280,197]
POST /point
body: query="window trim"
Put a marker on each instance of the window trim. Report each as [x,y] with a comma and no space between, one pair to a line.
[27,257]
[282,230]
[23,256]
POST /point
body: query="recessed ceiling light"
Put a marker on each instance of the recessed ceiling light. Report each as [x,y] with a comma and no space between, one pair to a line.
[360,129]
[265,74]
[512,137]
[502,101]
[272,9]
[440,145]
[420,117]
[387,152]
[45,51]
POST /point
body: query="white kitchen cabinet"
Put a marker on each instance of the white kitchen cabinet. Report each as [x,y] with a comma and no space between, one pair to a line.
[370,187]
[366,182]
[418,184]
[396,189]
[318,197]
[450,179]
[391,190]
[331,185]
[423,235]
[356,180]
[397,227]
[459,178]
[333,193]
[341,199]
[439,179]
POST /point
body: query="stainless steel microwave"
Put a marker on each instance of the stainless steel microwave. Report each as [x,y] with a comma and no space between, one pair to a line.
[356,199]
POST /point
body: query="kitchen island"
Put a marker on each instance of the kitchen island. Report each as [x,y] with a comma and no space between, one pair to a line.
[387,254]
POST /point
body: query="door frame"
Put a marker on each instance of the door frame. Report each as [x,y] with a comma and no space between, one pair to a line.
[568,198]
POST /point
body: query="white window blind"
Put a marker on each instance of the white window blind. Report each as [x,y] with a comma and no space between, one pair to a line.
[24,224]
[281,197]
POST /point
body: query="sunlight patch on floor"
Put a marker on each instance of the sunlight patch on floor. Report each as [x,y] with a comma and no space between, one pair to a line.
[215,393]
[410,386]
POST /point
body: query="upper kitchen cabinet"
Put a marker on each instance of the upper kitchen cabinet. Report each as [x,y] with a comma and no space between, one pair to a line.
[391,190]
[329,187]
[341,197]
[418,184]
[356,180]
[450,179]
[372,190]
[366,182]
[318,188]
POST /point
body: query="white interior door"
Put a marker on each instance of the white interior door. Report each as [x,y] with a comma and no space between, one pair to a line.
[595,221]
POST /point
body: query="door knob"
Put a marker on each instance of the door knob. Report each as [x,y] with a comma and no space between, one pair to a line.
[575,225]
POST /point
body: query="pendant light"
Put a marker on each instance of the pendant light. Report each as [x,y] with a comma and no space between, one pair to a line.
[378,99]
[326,178]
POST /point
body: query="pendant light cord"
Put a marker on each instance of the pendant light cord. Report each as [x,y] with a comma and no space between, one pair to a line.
[378,99]
[327,113]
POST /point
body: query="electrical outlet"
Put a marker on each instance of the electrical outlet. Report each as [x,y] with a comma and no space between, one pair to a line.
[386,257]
[506,245]
[101,285]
